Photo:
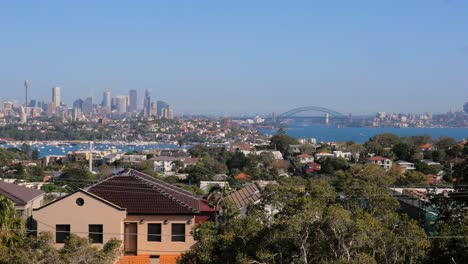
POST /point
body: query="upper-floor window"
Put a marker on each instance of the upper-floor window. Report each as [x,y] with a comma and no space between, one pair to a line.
[178,233]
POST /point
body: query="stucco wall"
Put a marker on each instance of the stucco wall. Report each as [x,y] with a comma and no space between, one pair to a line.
[166,246]
[93,211]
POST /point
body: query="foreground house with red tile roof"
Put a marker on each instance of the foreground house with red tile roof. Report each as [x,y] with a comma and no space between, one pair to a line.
[150,216]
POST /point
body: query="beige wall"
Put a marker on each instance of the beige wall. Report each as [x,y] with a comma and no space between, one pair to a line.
[27,208]
[166,246]
[93,211]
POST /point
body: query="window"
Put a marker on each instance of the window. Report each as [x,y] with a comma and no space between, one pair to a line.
[62,232]
[79,201]
[154,232]
[95,233]
[178,233]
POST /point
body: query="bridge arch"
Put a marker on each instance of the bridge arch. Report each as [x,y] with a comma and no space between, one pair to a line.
[294,111]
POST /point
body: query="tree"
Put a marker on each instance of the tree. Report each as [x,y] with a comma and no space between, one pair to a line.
[11,225]
[77,177]
[404,151]
[412,178]
[386,140]
[330,165]
[282,143]
[35,154]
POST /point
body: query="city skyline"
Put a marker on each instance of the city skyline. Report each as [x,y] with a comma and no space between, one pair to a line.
[361,58]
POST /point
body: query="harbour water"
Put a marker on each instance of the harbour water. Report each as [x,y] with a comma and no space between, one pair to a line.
[325,133]
[48,148]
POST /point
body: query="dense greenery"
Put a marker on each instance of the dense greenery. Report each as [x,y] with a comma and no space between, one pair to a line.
[304,221]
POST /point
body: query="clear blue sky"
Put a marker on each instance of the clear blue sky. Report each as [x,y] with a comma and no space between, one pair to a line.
[242,56]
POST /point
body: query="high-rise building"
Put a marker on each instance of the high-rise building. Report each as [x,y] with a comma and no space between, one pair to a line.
[133,101]
[167,112]
[87,107]
[56,96]
[121,104]
[147,104]
[106,99]
[159,106]
[153,109]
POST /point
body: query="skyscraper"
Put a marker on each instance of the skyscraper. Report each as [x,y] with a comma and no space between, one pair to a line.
[87,106]
[147,104]
[106,100]
[121,104]
[26,86]
[159,106]
[133,101]
[56,96]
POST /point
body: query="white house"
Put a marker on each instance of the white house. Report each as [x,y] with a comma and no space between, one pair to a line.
[405,165]
[342,155]
[305,158]
[381,161]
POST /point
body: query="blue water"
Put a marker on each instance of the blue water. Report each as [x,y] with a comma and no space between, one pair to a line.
[45,150]
[362,134]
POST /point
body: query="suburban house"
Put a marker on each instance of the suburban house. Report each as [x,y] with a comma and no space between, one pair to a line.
[250,194]
[24,199]
[426,147]
[342,155]
[305,158]
[207,185]
[405,165]
[150,216]
[381,161]
[320,155]
[312,167]
[164,164]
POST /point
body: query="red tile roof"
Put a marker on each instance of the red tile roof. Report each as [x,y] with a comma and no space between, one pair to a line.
[376,158]
[242,176]
[425,146]
[142,194]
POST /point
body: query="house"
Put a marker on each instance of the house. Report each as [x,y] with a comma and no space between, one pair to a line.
[405,165]
[305,158]
[164,164]
[133,158]
[430,162]
[150,216]
[320,155]
[242,176]
[312,167]
[342,155]
[381,161]
[24,199]
[426,147]
[207,185]
[250,194]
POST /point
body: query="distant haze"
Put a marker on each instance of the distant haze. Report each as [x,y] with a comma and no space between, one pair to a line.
[233,57]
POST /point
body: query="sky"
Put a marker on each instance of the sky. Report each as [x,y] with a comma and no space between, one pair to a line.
[234,57]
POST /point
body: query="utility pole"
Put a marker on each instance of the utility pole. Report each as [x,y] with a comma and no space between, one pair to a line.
[91,156]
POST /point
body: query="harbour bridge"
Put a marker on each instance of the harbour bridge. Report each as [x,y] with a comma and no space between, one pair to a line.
[329,113]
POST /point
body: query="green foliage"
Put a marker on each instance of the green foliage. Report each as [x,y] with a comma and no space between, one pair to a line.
[331,165]
[412,178]
[300,221]
[427,169]
[77,177]
[11,225]
[282,142]
[405,151]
